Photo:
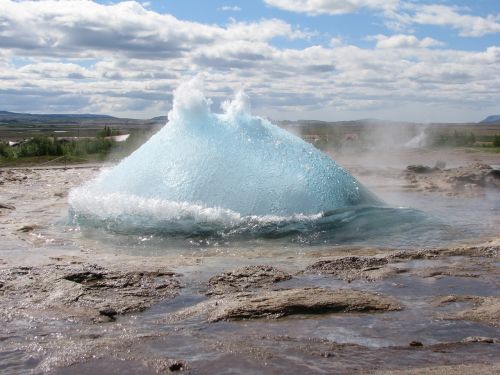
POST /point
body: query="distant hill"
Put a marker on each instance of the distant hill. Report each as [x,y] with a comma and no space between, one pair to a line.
[62,119]
[491,119]
[347,123]
[9,116]
[18,126]
[162,119]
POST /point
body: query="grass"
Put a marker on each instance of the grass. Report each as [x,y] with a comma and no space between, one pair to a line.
[44,150]
[495,150]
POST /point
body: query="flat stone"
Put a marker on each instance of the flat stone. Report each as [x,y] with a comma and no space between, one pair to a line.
[280,303]
[468,180]
[6,206]
[354,267]
[485,340]
[28,228]
[245,278]
[87,291]
[485,310]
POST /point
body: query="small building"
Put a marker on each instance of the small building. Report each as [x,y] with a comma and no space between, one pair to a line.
[119,138]
[17,143]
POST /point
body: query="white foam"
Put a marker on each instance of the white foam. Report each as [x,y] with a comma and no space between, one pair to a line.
[224,167]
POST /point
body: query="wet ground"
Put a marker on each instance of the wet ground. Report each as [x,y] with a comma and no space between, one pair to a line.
[75,302]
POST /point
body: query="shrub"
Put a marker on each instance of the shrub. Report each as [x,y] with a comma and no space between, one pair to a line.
[496,141]
[48,146]
[456,139]
[6,151]
[108,132]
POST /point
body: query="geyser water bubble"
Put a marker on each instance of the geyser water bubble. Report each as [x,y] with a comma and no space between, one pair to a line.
[208,167]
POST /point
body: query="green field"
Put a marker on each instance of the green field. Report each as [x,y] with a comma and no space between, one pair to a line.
[46,150]
[59,141]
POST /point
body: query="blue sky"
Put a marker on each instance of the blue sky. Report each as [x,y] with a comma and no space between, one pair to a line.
[354,27]
[432,60]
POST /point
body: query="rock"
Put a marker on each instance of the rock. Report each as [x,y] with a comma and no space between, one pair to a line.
[415,254]
[347,264]
[420,169]
[59,293]
[457,270]
[177,366]
[495,173]
[28,228]
[163,366]
[6,206]
[473,174]
[245,278]
[440,164]
[416,344]
[490,250]
[280,303]
[87,352]
[487,250]
[109,312]
[486,310]
[467,181]
[86,276]
[485,340]
[87,291]
[354,267]
[440,369]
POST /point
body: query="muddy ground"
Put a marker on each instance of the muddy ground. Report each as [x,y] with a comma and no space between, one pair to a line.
[76,304]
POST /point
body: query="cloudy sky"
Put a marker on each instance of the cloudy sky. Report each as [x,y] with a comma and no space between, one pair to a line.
[427,60]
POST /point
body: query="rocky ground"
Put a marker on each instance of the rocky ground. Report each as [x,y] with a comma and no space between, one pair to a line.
[79,305]
[469,180]
[82,291]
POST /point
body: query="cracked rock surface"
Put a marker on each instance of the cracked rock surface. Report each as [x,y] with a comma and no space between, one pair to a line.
[85,291]
[245,278]
[280,303]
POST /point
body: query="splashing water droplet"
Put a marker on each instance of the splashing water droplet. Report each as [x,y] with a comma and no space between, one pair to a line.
[218,167]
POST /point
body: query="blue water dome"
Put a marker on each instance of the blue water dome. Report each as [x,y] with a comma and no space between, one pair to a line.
[212,165]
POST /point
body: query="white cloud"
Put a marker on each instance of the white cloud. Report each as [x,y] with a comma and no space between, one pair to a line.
[125,60]
[82,28]
[405,41]
[230,8]
[411,14]
[467,25]
[332,7]
[342,80]
[88,29]
[399,15]
[56,70]
[336,41]
[264,30]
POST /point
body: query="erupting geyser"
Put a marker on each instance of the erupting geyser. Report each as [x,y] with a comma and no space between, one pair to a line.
[206,167]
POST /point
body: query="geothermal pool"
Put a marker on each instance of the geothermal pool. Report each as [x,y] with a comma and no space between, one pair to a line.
[46,332]
[208,167]
[237,177]
[184,256]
